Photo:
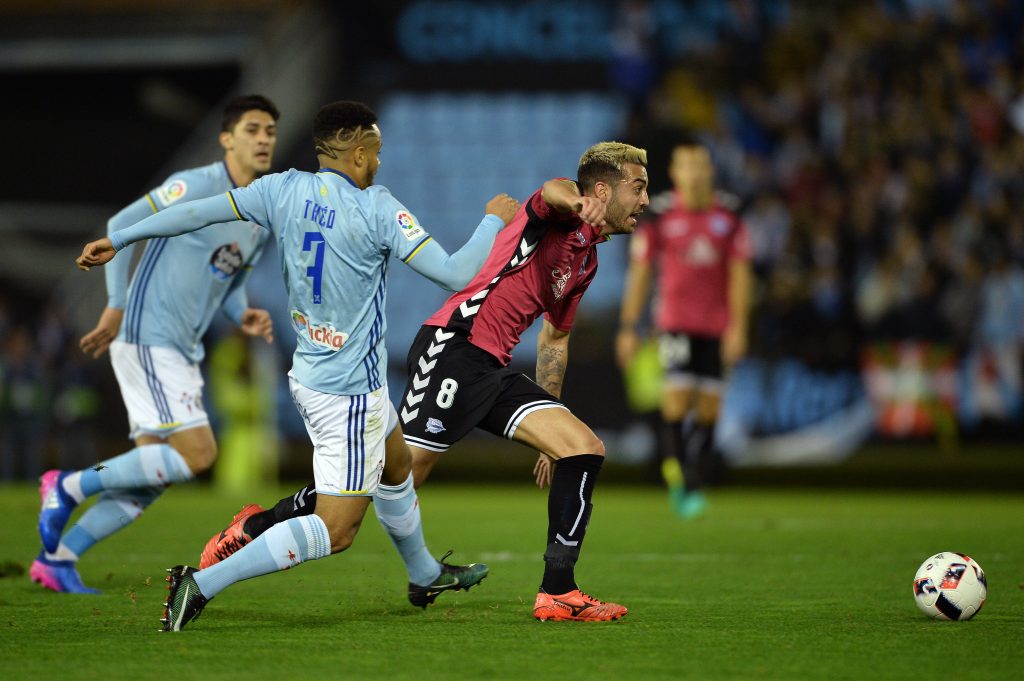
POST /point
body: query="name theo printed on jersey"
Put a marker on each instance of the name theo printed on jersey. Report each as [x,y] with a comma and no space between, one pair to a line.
[320,214]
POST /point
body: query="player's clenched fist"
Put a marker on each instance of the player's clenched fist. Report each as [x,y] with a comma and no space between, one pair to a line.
[504,206]
[96,253]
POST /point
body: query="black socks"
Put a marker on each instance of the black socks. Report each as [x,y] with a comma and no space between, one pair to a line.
[572,487]
[301,503]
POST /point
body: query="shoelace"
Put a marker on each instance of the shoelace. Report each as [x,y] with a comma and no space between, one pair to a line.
[588,596]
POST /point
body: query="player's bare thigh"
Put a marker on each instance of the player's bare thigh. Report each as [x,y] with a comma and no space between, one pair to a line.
[397,459]
[423,461]
[196,445]
[676,401]
[558,433]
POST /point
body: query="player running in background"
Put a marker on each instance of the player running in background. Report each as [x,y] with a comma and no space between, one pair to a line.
[701,253]
[176,289]
[459,378]
[335,232]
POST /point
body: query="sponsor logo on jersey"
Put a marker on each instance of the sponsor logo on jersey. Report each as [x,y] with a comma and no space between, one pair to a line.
[719,225]
[702,252]
[226,261]
[561,279]
[582,239]
[171,192]
[434,426]
[407,223]
[324,335]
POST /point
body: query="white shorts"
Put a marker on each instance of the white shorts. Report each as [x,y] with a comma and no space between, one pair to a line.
[348,433]
[162,391]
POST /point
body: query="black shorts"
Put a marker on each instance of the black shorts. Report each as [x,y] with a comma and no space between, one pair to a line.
[684,355]
[455,386]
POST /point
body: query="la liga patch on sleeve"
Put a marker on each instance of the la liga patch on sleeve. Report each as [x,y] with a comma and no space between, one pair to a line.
[171,192]
[407,224]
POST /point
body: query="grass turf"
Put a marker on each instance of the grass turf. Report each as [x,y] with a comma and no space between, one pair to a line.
[776,584]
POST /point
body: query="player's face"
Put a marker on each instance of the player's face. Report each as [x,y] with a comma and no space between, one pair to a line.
[252,141]
[693,175]
[628,201]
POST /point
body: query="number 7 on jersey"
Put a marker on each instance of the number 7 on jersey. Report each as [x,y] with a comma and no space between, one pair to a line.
[316,270]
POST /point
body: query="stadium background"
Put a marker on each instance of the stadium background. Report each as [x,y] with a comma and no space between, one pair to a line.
[875,150]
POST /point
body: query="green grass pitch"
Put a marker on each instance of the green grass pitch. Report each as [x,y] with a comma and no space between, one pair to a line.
[772,584]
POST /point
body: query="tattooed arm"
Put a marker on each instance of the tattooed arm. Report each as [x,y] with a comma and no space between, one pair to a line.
[552,356]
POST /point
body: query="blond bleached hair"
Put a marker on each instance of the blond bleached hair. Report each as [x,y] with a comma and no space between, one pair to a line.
[604,162]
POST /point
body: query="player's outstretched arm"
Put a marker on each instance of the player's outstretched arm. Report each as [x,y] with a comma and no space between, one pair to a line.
[564,196]
[455,271]
[180,219]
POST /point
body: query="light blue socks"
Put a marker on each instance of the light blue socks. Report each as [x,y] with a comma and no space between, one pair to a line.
[113,510]
[398,510]
[284,545]
[146,466]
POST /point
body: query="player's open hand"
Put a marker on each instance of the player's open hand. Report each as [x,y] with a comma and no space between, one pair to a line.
[504,206]
[257,322]
[98,341]
[96,253]
[591,210]
[543,470]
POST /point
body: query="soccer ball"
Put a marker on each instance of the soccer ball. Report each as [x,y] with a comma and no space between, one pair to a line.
[950,586]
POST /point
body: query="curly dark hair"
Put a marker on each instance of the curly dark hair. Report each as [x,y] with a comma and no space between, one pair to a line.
[340,124]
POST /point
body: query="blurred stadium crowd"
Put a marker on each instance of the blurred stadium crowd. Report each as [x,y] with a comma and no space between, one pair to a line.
[878,153]
[875,150]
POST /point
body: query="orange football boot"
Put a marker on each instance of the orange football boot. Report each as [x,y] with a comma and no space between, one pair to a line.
[576,606]
[223,544]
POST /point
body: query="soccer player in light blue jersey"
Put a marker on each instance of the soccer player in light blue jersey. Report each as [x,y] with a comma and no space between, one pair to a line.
[335,232]
[153,330]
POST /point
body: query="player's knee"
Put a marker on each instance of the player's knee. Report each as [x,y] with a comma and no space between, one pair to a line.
[200,457]
[582,443]
[342,538]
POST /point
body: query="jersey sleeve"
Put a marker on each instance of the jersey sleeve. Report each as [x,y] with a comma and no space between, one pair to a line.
[398,232]
[175,189]
[562,315]
[740,247]
[116,273]
[254,202]
[180,219]
[539,209]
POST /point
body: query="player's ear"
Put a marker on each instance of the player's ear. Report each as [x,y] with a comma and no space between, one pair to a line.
[226,141]
[359,156]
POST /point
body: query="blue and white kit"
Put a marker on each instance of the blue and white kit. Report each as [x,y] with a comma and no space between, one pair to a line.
[177,288]
[335,241]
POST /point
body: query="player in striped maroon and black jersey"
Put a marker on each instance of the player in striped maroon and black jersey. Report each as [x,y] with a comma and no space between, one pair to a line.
[699,251]
[459,379]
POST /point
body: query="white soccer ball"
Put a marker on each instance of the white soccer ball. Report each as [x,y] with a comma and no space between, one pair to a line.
[950,586]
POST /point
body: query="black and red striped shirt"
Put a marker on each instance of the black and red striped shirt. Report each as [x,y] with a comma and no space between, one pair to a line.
[542,263]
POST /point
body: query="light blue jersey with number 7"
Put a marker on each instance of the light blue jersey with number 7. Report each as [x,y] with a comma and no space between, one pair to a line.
[335,240]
